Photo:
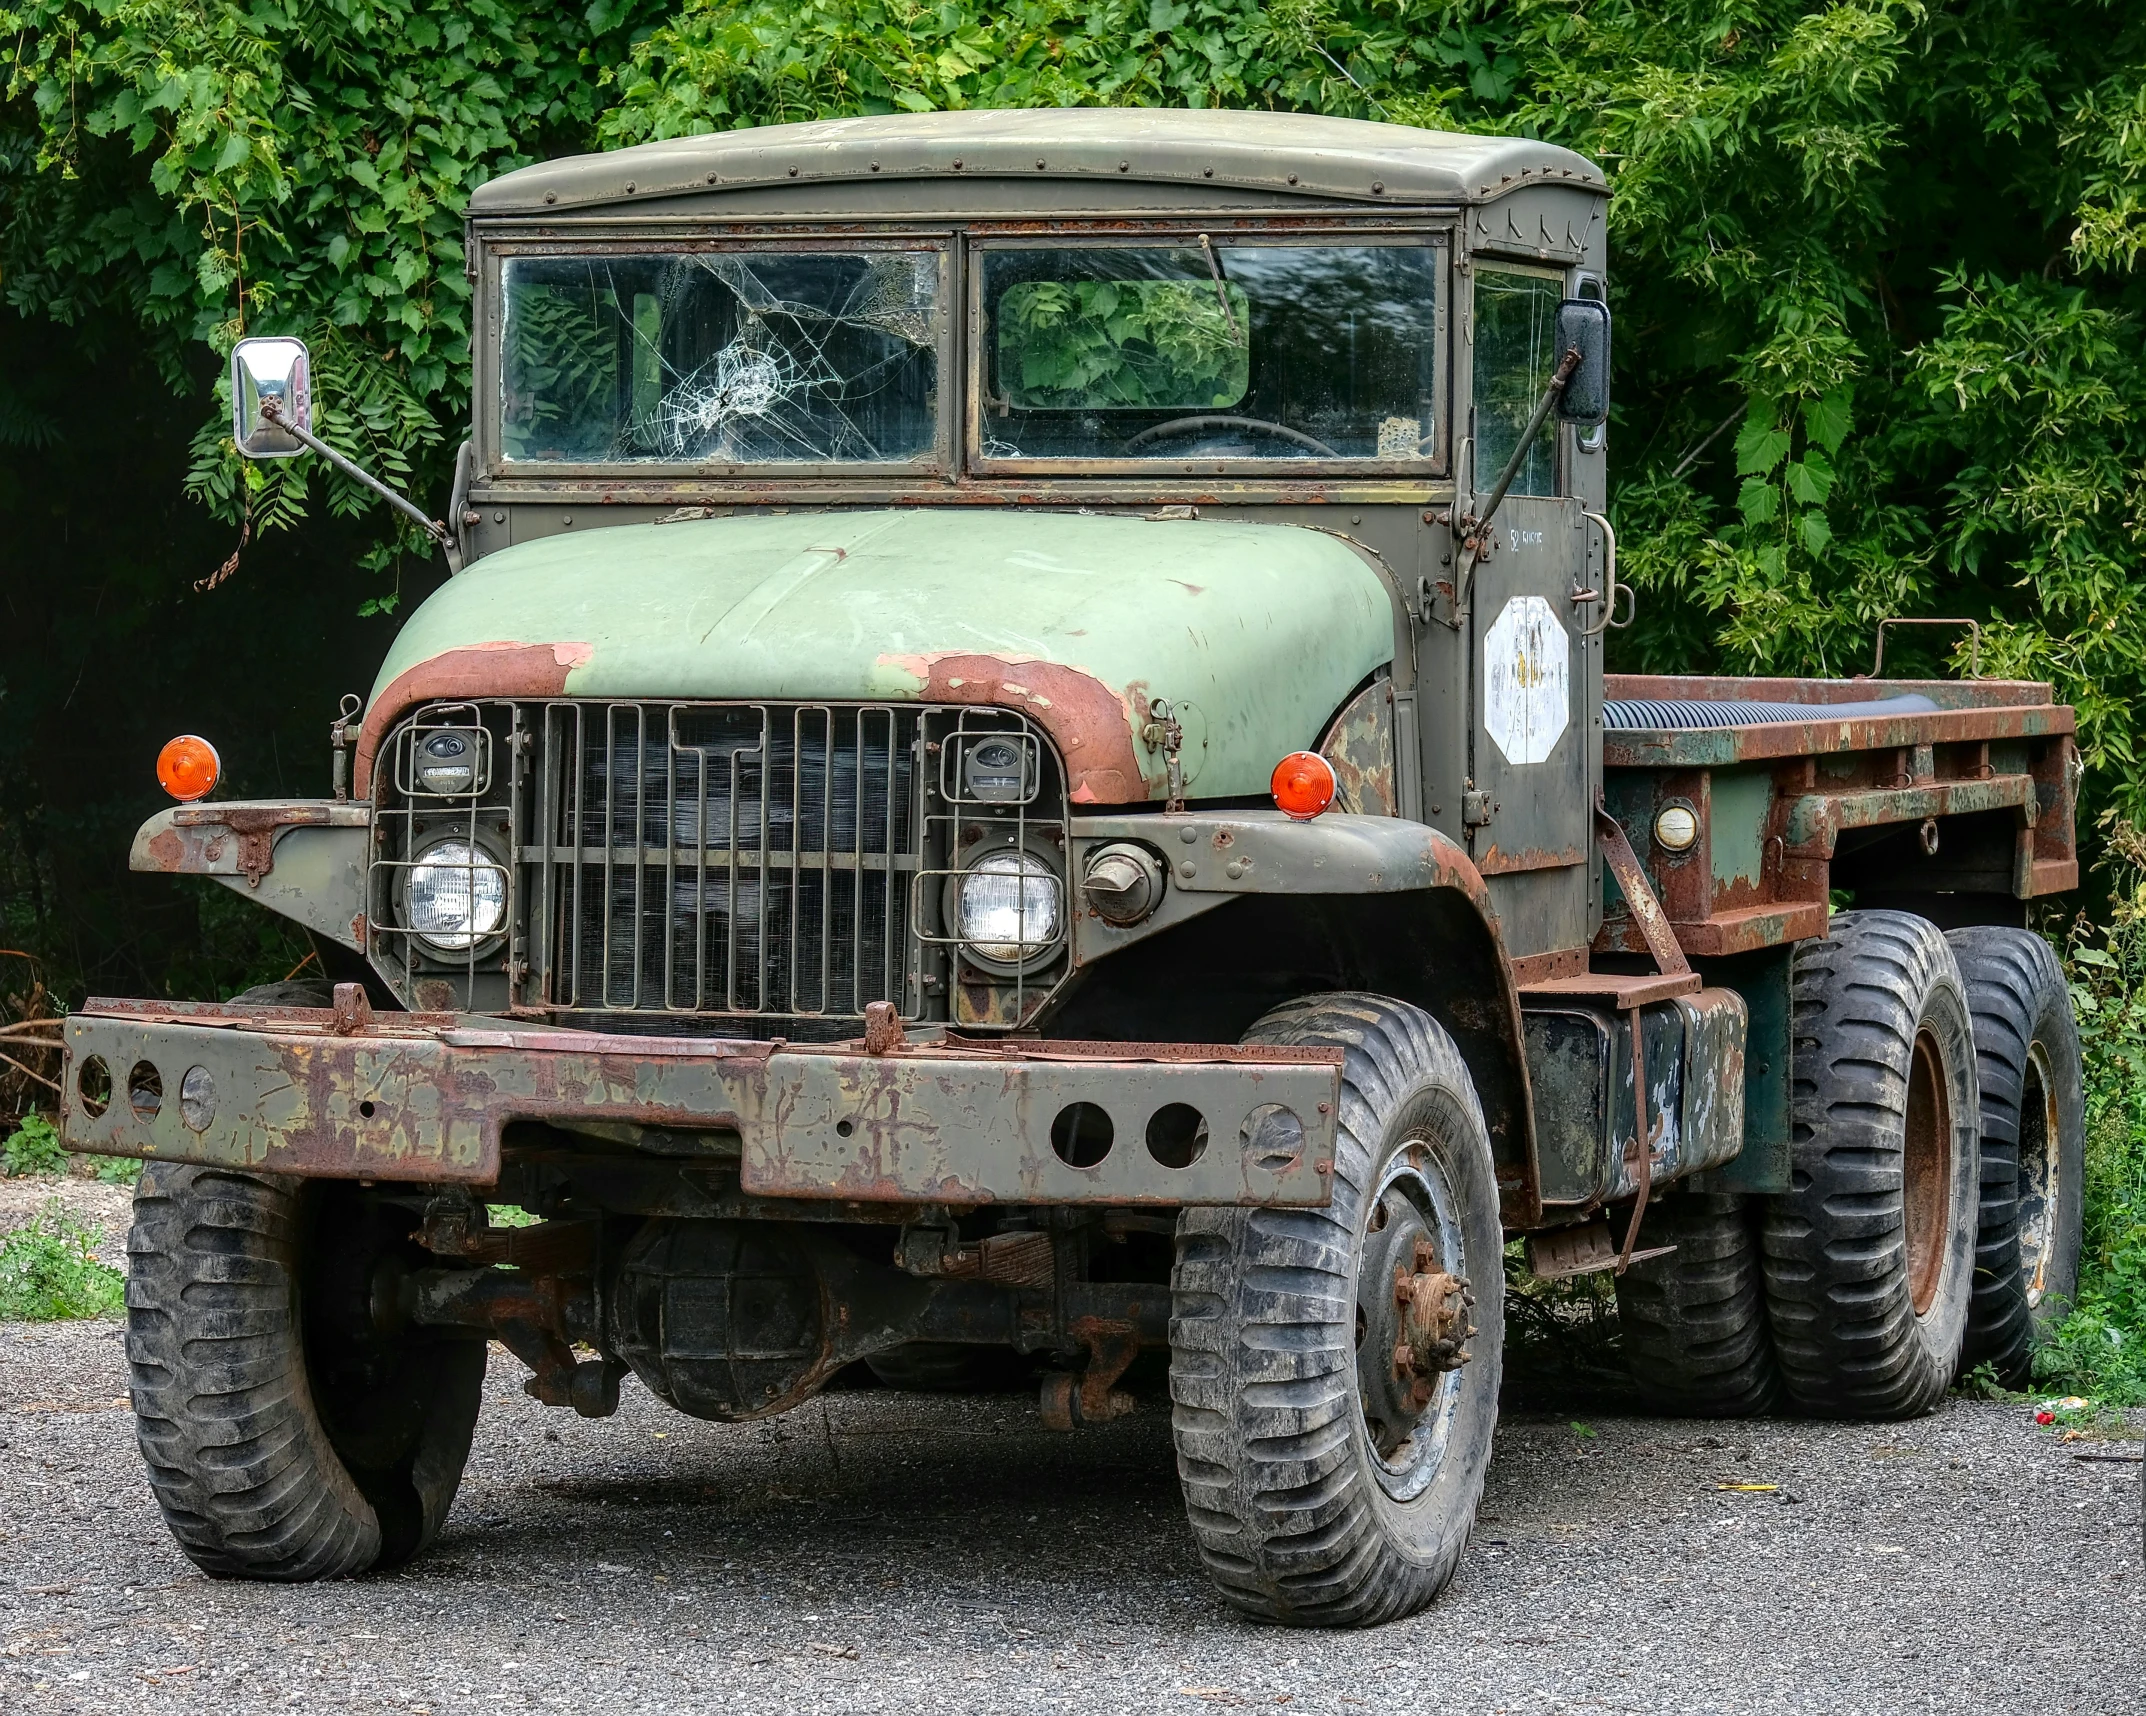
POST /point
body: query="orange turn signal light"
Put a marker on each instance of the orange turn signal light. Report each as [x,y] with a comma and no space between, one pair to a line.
[1303,785]
[187,768]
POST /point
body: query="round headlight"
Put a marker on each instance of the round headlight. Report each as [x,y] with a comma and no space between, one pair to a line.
[1007,908]
[455,896]
[447,764]
[1676,828]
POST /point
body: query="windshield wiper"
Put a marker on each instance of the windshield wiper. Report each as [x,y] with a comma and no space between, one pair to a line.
[1214,267]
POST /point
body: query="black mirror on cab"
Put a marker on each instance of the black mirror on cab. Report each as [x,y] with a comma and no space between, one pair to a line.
[276,369]
[1583,325]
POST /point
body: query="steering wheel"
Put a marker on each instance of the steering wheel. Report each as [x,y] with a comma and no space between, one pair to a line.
[1193,425]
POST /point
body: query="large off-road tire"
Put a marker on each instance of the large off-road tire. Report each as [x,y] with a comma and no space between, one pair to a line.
[291,992]
[1870,1253]
[287,1435]
[1322,1488]
[2033,1145]
[1695,1333]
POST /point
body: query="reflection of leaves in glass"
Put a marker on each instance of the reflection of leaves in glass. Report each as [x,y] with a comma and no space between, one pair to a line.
[1515,317]
[561,368]
[1129,344]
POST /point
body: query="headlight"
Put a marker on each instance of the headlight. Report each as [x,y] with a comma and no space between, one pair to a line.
[1007,908]
[455,896]
[447,764]
[999,770]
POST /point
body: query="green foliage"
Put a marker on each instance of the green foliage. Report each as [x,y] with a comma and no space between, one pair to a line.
[49,1271]
[33,1149]
[2100,1349]
[1098,344]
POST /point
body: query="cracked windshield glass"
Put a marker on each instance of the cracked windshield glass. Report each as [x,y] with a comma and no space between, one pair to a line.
[1212,350]
[729,358]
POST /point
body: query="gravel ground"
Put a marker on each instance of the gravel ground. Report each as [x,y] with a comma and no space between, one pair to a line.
[906,1553]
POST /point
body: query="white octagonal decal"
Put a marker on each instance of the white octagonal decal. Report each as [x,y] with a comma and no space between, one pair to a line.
[1527,679]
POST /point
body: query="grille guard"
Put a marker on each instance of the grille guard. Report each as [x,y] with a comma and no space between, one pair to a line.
[712,860]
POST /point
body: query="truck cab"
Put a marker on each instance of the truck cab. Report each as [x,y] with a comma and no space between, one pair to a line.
[1018,757]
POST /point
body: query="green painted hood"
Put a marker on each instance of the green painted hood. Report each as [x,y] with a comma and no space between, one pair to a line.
[1256,633]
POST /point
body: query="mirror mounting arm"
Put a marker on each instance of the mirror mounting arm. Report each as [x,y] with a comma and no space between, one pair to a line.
[272,409]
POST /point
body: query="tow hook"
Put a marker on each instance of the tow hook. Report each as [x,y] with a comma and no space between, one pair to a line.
[1434,1310]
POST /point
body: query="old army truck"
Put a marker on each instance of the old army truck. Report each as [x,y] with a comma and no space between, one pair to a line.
[1017,762]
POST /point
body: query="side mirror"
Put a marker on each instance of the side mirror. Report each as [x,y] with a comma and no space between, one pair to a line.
[1583,325]
[278,369]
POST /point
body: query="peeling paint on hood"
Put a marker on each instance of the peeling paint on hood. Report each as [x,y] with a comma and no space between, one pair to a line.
[1255,632]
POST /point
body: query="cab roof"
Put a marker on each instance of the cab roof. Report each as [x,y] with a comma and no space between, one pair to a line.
[1302,154]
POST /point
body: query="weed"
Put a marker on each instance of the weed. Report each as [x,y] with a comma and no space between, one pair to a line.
[34,1148]
[119,1170]
[2099,1349]
[509,1215]
[49,1270]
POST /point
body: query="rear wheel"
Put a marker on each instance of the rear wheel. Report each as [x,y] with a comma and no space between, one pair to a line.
[1870,1253]
[288,1434]
[2033,1145]
[1695,1334]
[1334,1372]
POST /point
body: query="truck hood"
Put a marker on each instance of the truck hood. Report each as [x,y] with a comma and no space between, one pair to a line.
[1255,633]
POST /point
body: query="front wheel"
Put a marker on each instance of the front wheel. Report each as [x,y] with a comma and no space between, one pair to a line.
[288,1435]
[1334,1372]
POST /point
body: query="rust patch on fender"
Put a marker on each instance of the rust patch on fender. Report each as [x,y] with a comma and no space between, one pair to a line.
[1091,725]
[168,851]
[475,670]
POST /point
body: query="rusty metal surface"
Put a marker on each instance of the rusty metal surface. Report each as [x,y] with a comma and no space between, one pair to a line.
[1719,747]
[1583,1060]
[1639,897]
[1360,747]
[427,1100]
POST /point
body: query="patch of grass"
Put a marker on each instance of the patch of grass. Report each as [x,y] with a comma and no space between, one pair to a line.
[34,1148]
[2099,1350]
[49,1271]
[510,1215]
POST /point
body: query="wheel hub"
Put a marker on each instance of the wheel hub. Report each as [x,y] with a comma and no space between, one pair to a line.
[1412,1316]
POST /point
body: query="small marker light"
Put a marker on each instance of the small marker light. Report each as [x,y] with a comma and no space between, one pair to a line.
[1303,785]
[187,768]
[1676,828]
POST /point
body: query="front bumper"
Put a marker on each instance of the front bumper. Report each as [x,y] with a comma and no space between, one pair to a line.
[427,1097]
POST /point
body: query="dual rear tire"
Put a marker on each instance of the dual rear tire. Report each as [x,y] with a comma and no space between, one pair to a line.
[1910,1244]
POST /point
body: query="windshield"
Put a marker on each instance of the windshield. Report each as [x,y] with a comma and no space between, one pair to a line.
[725,358]
[1212,349]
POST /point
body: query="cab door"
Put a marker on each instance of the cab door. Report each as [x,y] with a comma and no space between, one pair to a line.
[1531,743]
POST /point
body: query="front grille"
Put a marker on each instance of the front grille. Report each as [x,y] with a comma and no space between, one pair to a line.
[722,860]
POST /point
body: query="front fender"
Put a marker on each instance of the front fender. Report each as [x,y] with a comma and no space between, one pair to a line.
[304,859]
[1406,876]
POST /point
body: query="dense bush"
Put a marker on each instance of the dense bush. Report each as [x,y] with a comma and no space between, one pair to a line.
[1875,266]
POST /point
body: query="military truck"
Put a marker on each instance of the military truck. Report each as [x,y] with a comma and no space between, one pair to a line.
[1017,760]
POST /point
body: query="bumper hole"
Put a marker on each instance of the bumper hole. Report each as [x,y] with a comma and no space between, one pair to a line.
[93,1084]
[1081,1134]
[1273,1138]
[145,1090]
[197,1099]
[366,1110]
[843,1128]
[1177,1133]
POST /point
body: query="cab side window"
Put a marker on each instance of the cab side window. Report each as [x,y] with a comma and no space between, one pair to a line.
[1515,331]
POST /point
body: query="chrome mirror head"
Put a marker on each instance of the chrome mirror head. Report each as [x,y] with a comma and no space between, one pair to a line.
[280,369]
